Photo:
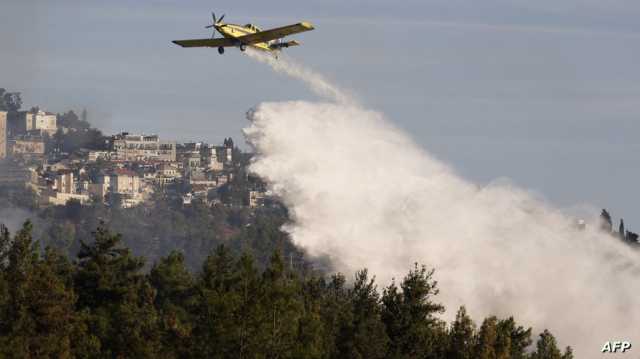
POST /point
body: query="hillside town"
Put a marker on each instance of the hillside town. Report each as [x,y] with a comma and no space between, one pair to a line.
[61,159]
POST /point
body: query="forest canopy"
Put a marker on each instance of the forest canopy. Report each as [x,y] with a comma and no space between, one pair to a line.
[102,304]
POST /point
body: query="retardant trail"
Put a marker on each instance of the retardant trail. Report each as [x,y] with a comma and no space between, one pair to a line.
[363,193]
[316,82]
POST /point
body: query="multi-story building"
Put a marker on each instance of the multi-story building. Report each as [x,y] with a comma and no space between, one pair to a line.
[211,159]
[256,199]
[3,134]
[64,190]
[27,146]
[44,122]
[125,182]
[64,182]
[121,181]
[94,156]
[143,148]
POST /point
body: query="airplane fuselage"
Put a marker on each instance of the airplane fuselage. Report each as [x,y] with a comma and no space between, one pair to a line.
[233,31]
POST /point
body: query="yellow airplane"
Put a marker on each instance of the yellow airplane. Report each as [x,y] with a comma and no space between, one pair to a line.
[248,35]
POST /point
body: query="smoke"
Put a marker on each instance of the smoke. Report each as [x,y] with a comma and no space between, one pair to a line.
[13,217]
[363,193]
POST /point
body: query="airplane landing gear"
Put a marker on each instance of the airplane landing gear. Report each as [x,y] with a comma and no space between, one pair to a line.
[243,47]
[221,50]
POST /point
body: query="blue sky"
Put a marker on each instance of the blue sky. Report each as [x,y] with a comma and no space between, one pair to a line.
[546,93]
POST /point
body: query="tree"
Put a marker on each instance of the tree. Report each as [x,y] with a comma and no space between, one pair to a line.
[10,101]
[516,338]
[409,316]
[174,300]
[546,348]
[118,297]
[335,311]
[364,335]
[461,336]
[487,339]
[605,221]
[39,318]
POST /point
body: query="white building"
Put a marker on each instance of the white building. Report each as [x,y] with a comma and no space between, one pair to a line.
[45,122]
[123,182]
[143,148]
[64,182]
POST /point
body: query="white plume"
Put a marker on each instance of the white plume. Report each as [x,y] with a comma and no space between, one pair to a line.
[363,193]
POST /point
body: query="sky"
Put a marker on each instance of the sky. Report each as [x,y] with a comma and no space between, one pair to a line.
[544,93]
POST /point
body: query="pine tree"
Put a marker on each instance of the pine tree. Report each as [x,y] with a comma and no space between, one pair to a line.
[312,339]
[247,289]
[281,309]
[547,348]
[410,319]
[606,223]
[336,312]
[119,299]
[514,337]
[364,336]
[216,331]
[487,339]
[175,298]
[39,319]
[461,336]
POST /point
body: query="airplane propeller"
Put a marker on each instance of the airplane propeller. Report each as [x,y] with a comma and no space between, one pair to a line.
[215,23]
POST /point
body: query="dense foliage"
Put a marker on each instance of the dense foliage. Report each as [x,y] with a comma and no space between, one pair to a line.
[162,225]
[10,101]
[103,305]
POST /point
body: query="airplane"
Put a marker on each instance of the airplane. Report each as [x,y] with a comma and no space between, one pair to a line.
[241,36]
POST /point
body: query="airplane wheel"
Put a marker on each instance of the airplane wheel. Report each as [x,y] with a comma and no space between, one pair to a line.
[243,47]
[221,50]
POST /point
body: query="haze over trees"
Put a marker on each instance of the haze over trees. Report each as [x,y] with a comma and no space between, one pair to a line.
[103,305]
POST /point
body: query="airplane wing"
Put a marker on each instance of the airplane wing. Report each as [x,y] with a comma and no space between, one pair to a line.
[224,42]
[275,33]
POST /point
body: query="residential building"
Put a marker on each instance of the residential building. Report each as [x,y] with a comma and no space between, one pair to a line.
[125,182]
[143,148]
[44,122]
[256,199]
[121,181]
[211,160]
[40,122]
[27,146]
[60,199]
[94,156]
[64,182]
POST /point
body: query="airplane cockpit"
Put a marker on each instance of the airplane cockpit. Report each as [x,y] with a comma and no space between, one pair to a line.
[252,27]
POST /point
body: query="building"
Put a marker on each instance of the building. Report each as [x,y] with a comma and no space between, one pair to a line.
[60,199]
[44,122]
[41,122]
[256,199]
[3,134]
[143,148]
[123,182]
[193,161]
[211,160]
[94,156]
[64,182]
[27,146]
